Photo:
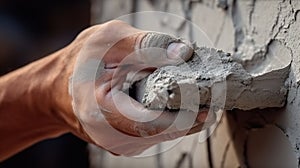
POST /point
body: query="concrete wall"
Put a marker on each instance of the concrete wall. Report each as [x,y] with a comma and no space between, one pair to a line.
[257,138]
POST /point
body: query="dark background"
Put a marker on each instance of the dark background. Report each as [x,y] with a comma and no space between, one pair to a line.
[29,30]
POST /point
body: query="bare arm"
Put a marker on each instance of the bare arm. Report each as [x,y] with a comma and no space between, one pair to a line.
[29,104]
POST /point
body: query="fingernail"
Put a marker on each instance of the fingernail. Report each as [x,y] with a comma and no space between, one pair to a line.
[179,51]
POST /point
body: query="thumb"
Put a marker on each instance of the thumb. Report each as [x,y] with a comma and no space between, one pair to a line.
[159,49]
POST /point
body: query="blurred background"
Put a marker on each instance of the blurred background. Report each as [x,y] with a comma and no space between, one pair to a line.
[30,30]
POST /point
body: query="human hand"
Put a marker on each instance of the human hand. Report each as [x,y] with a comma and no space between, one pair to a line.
[109,56]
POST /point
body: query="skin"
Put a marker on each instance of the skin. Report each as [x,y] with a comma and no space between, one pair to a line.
[35,103]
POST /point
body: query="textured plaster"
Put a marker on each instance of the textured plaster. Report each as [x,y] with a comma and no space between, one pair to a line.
[247,29]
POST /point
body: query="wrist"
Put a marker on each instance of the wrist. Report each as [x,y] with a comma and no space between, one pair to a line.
[58,89]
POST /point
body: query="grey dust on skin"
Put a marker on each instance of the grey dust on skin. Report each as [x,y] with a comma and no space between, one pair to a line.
[222,82]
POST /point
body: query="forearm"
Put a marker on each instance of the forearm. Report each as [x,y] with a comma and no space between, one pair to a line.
[29,104]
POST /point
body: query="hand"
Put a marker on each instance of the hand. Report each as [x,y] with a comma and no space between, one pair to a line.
[110,118]
[112,54]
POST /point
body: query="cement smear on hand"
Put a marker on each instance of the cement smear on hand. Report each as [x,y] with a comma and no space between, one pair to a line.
[220,81]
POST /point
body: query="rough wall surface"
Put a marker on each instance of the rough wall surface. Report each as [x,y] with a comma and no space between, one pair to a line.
[250,29]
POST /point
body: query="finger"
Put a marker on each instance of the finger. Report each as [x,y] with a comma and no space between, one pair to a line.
[161,49]
[126,112]
[129,116]
[157,49]
[123,77]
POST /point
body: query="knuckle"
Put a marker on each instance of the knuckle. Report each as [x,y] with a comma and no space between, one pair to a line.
[113,26]
[114,23]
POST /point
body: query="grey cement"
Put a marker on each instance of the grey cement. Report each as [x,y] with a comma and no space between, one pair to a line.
[221,80]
